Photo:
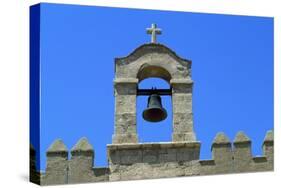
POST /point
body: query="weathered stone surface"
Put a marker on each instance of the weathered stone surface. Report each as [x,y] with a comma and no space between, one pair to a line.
[128,87]
[125,104]
[81,163]
[221,138]
[125,138]
[150,155]
[268,148]
[181,137]
[182,123]
[241,137]
[222,153]
[152,60]
[182,103]
[182,117]
[152,160]
[81,146]
[125,123]
[56,171]
[57,164]
[154,55]
[242,152]
[157,160]
[181,86]
[57,148]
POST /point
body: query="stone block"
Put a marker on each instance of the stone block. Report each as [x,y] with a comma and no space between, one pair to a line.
[150,155]
[182,122]
[169,156]
[181,86]
[130,156]
[181,137]
[125,123]
[125,88]
[124,138]
[187,154]
[182,103]
[125,104]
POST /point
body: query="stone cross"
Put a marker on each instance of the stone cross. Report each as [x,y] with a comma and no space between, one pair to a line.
[153,31]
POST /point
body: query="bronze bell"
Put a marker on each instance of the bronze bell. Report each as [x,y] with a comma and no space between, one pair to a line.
[154,111]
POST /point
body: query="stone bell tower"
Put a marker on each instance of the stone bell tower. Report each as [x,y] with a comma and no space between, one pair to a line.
[152,60]
[128,159]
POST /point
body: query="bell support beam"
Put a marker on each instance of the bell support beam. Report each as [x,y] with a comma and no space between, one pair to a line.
[148,92]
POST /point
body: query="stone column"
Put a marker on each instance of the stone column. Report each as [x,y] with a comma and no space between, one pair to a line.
[182,110]
[125,91]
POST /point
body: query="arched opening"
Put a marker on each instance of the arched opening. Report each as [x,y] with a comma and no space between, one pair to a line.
[154,132]
[151,71]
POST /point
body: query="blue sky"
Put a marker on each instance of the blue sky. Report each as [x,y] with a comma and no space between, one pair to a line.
[232,69]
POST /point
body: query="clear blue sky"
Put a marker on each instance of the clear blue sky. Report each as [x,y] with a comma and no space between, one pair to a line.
[232,69]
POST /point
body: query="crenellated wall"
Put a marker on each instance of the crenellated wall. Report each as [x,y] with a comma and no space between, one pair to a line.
[237,156]
[61,170]
[151,160]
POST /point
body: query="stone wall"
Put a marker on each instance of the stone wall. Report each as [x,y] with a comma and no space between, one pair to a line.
[237,157]
[78,169]
[151,160]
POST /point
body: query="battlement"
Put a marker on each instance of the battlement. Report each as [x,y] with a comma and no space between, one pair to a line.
[236,156]
[151,160]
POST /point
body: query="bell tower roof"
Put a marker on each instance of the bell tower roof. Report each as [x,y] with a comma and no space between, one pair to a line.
[149,48]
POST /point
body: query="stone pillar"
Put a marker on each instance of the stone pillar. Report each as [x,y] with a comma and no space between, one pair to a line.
[125,91]
[222,154]
[57,164]
[242,153]
[81,163]
[182,110]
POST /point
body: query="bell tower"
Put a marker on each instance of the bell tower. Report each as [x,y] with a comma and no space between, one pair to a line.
[152,60]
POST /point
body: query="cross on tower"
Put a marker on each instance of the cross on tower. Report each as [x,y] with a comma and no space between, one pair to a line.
[153,31]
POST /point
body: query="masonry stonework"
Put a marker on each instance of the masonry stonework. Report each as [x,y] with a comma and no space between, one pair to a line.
[152,60]
[130,160]
[153,160]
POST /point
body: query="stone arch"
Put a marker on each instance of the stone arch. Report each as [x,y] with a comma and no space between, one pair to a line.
[152,71]
[154,55]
